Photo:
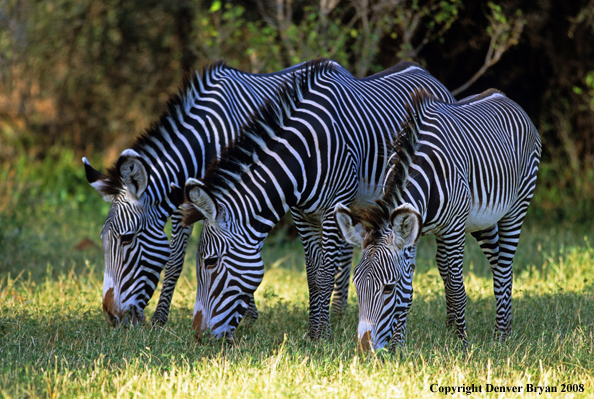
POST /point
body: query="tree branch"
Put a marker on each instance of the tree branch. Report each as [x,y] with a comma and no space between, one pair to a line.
[503,34]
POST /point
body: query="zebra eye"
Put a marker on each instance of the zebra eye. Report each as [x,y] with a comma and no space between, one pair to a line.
[126,238]
[388,289]
[211,262]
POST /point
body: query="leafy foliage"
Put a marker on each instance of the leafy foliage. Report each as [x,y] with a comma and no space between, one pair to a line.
[80,77]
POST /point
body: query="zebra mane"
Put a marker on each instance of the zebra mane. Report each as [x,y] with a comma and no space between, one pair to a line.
[480,96]
[192,85]
[401,66]
[401,156]
[260,131]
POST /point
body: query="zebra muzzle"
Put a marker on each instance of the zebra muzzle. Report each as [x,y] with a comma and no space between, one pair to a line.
[132,316]
[110,309]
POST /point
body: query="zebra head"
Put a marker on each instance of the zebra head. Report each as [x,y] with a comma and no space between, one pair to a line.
[383,278]
[228,269]
[135,246]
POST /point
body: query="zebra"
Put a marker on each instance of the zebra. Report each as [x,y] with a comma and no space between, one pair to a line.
[457,168]
[201,120]
[323,144]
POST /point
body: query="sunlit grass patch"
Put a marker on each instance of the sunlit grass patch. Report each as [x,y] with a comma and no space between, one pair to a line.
[54,341]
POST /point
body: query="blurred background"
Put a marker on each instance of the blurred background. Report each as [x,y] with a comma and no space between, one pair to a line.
[85,77]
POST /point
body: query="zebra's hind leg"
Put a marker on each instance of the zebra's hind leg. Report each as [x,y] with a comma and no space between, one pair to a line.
[173,268]
[488,240]
[510,227]
[450,255]
[340,295]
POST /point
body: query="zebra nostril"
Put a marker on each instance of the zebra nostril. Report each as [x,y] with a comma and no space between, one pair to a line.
[114,316]
[201,336]
[110,309]
[125,322]
[133,318]
[197,322]
[365,343]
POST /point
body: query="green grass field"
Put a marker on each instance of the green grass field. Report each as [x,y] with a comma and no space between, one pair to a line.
[54,341]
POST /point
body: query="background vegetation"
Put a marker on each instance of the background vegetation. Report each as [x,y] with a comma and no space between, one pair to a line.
[82,77]
[88,76]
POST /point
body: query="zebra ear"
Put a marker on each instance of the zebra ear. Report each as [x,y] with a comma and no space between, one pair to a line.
[98,180]
[352,233]
[199,205]
[406,226]
[133,173]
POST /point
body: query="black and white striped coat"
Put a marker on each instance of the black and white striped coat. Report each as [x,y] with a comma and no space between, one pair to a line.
[324,144]
[457,168]
[203,119]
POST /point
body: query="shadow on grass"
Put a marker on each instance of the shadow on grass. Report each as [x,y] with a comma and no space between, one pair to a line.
[553,328]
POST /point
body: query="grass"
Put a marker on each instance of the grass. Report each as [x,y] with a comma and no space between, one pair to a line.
[54,341]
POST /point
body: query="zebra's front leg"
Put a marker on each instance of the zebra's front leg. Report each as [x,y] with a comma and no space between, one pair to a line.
[322,261]
[179,242]
[319,312]
[325,276]
[450,261]
[340,295]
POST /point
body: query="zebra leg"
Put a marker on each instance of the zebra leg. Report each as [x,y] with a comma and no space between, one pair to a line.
[310,229]
[179,242]
[324,278]
[322,244]
[340,295]
[450,261]
[488,240]
[510,227]
[441,256]
[313,266]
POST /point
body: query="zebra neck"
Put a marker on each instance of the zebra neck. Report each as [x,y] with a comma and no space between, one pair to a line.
[178,152]
[419,196]
[261,197]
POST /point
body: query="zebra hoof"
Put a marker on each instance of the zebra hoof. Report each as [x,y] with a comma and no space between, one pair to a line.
[158,319]
[501,334]
[451,320]
[465,347]
[397,347]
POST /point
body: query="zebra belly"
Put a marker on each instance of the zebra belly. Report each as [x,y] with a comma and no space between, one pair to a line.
[482,217]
